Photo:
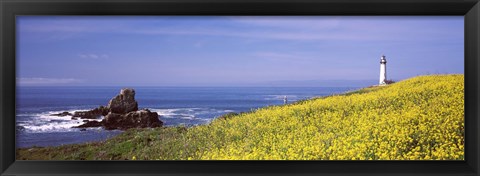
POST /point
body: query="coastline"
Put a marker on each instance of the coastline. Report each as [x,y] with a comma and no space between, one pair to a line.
[185,107]
[223,116]
[349,126]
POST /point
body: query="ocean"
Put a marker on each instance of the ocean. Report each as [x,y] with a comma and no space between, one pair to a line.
[175,105]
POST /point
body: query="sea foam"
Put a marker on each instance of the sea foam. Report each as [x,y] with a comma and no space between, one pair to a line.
[45,122]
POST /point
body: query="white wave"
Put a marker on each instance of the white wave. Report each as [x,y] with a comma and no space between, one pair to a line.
[165,112]
[48,115]
[52,127]
[281,97]
[45,122]
[190,113]
[183,113]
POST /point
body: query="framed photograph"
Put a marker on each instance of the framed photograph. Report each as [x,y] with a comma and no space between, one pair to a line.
[239,87]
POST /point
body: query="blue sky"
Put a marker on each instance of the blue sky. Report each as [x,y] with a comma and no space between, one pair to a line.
[233,51]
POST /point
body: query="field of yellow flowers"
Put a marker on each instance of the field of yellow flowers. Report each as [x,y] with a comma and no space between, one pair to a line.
[416,119]
[421,118]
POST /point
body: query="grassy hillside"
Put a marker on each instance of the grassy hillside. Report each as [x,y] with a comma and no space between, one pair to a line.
[418,118]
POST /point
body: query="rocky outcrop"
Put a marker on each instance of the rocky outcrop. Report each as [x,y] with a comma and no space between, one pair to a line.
[92,114]
[62,114]
[124,102]
[90,124]
[121,113]
[135,119]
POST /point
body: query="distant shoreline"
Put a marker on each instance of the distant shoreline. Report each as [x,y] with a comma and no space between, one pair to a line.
[189,106]
[227,114]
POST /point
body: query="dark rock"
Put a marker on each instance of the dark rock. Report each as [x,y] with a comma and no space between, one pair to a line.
[92,114]
[228,115]
[89,124]
[57,121]
[83,129]
[389,81]
[121,113]
[20,128]
[124,102]
[136,119]
[63,114]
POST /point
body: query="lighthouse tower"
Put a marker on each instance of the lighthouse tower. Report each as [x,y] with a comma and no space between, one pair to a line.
[383,71]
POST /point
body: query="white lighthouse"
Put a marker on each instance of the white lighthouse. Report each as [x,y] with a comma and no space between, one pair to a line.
[383,71]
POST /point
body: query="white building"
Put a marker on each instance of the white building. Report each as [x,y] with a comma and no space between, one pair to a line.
[383,71]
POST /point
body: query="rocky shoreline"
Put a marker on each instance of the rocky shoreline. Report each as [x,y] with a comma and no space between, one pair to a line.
[121,113]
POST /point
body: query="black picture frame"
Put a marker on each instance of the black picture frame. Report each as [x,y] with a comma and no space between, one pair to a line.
[9,9]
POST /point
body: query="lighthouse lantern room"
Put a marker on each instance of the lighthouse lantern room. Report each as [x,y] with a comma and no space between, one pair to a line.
[383,71]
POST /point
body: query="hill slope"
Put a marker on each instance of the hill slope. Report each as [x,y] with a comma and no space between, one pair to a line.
[418,118]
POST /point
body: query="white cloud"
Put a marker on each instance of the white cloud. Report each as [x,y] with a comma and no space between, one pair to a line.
[278,56]
[279,28]
[275,55]
[94,56]
[286,22]
[284,28]
[46,81]
[289,32]
[199,44]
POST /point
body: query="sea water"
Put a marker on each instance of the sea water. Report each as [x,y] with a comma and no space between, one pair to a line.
[175,105]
